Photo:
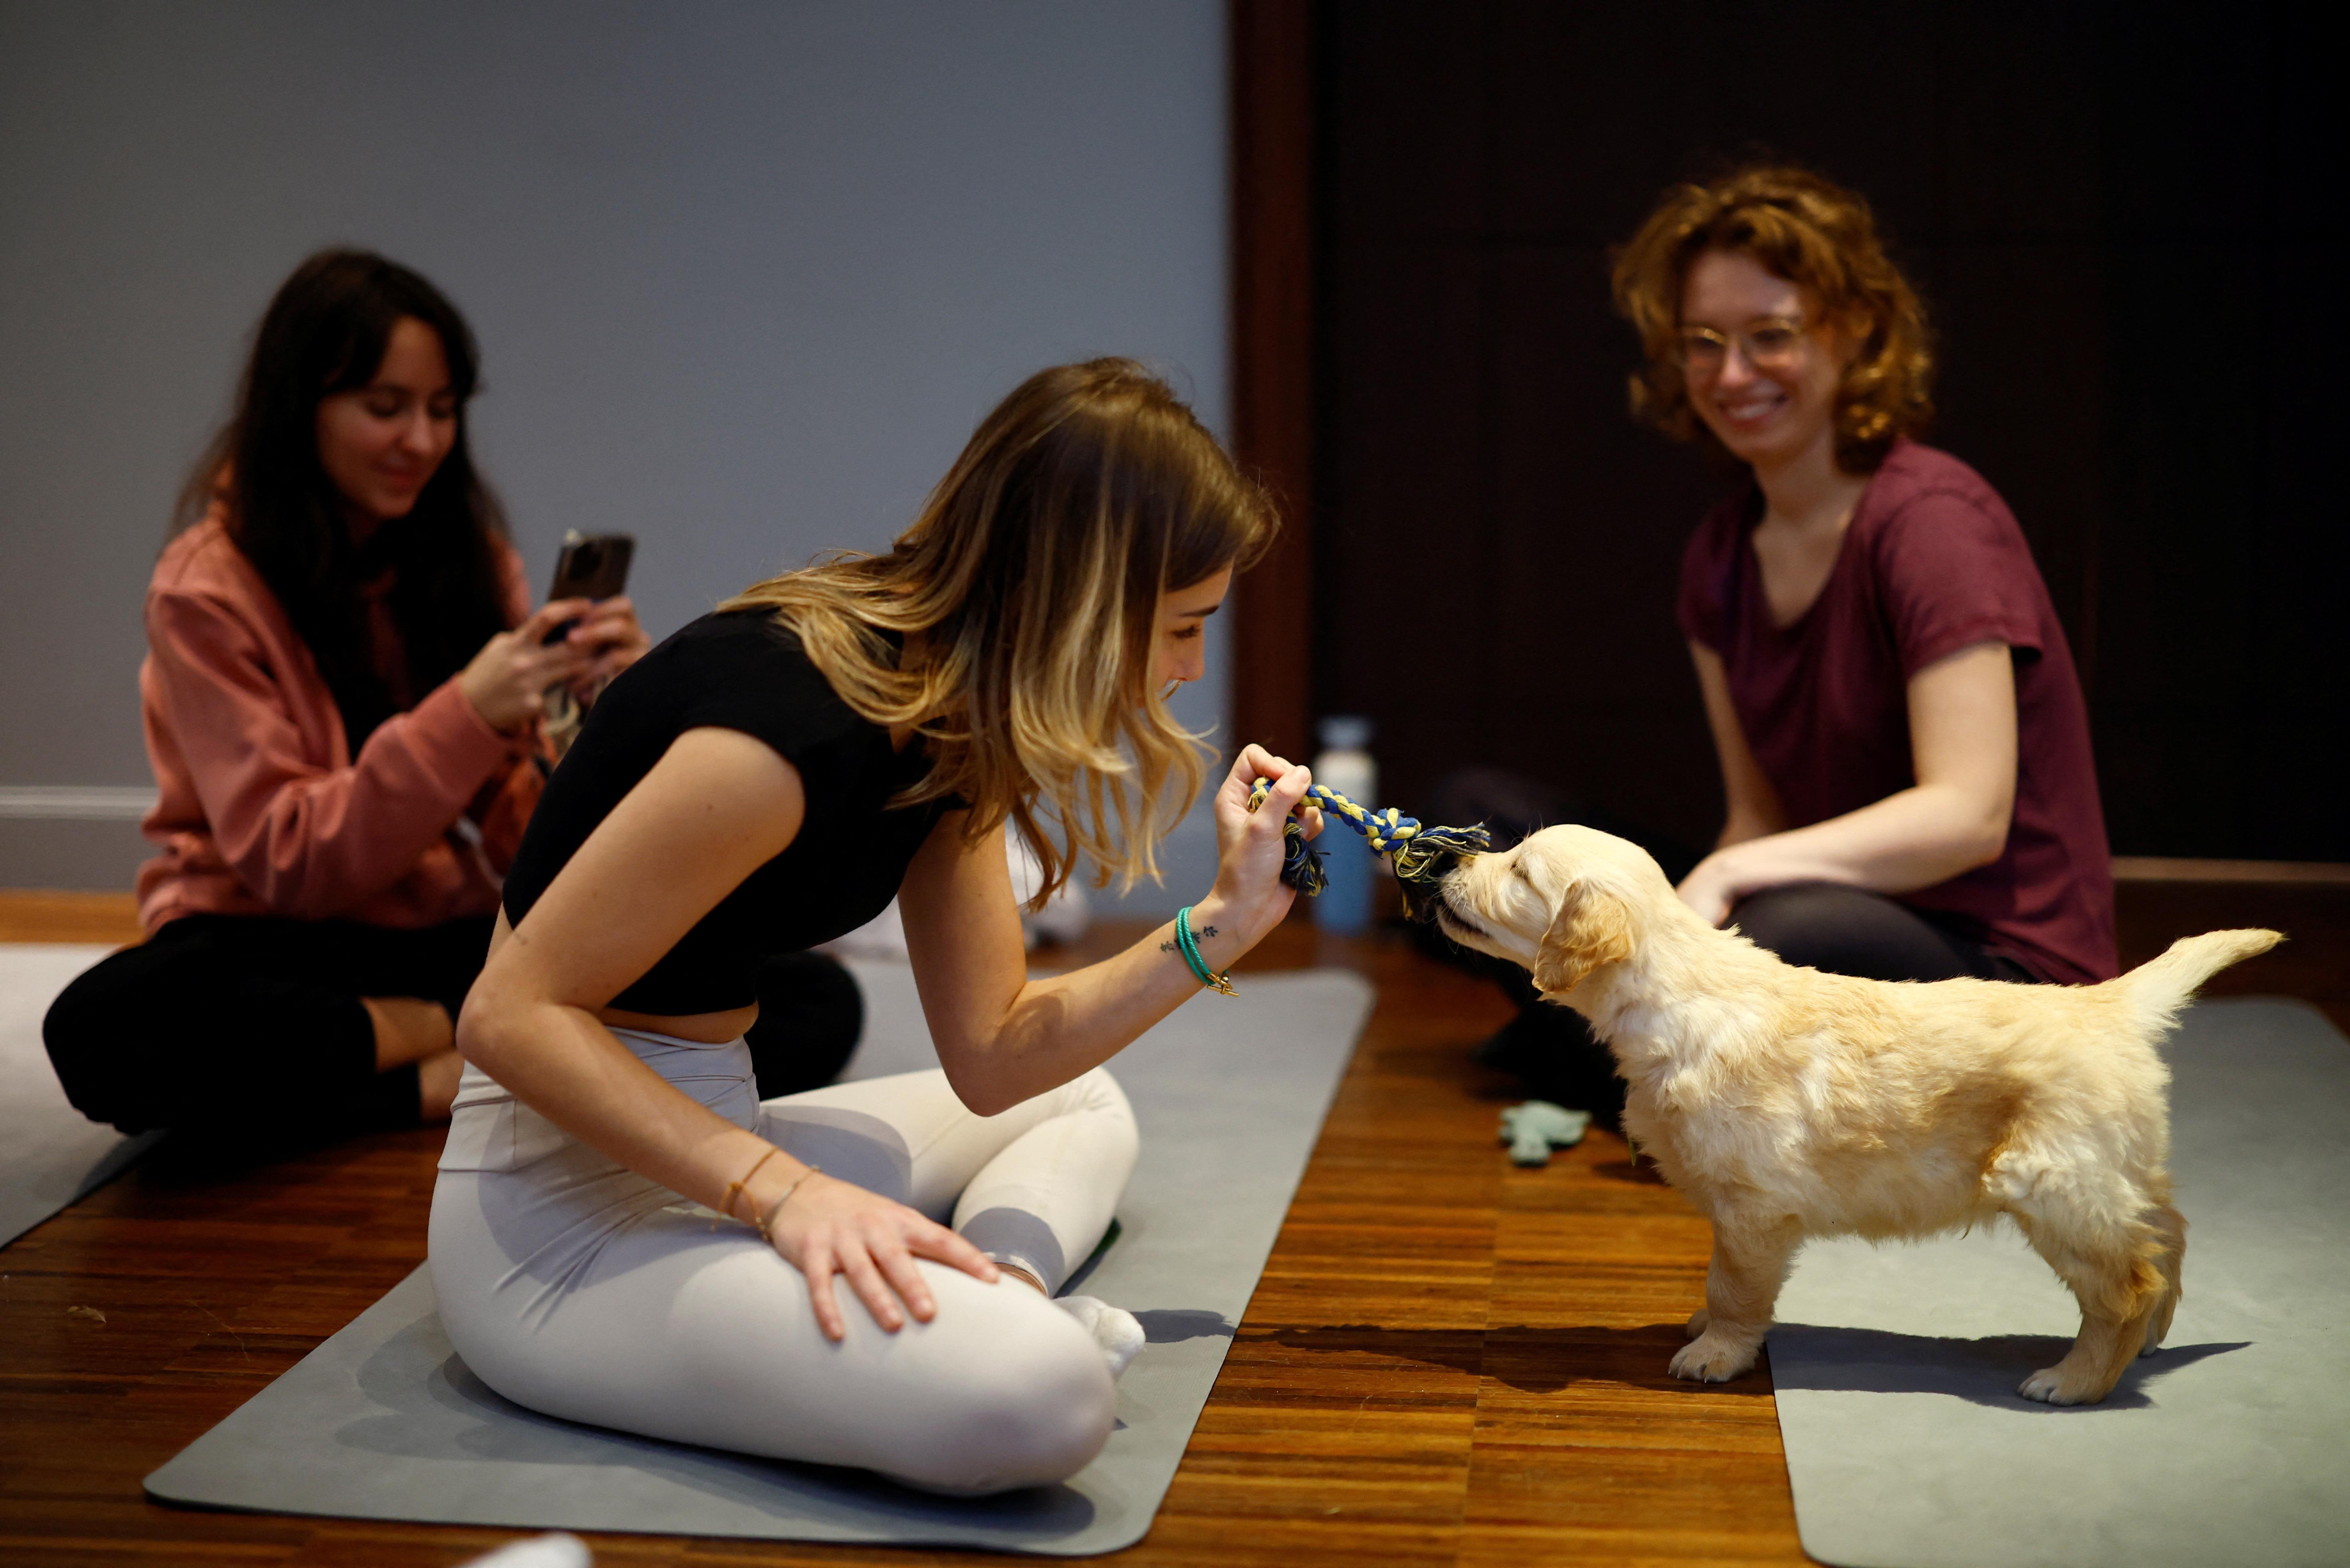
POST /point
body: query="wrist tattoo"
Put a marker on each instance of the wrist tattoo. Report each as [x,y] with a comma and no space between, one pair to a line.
[1203,931]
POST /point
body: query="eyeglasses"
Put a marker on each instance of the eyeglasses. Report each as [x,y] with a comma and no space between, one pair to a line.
[1773,343]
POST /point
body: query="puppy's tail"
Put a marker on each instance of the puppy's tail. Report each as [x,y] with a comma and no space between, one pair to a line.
[2159,987]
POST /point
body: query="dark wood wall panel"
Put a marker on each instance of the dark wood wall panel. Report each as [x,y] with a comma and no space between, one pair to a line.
[1406,621]
[2222,712]
[1272,45]
[2111,214]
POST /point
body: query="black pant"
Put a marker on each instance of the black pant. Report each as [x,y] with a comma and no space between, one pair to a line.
[1838,929]
[1818,924]
[249,1029]
[810,1016]
[252,1025]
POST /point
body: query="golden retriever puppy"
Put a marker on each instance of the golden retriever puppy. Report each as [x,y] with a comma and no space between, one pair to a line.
[1789,1104]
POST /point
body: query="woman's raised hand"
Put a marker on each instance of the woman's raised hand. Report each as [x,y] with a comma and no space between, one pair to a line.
[1249,890]
[827,1226]
[612,638]
[506,682]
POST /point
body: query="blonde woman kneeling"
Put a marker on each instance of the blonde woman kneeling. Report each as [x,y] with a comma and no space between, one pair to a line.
[768,779]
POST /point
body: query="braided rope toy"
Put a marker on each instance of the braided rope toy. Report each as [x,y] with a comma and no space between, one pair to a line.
[1420,855]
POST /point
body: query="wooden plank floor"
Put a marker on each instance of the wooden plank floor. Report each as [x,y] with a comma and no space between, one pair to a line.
[1450,1360]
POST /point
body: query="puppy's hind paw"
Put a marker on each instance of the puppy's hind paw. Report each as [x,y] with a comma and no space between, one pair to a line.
[1698,1320]
[1713,1358]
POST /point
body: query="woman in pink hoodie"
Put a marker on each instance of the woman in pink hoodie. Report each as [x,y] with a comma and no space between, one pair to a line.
[341,697]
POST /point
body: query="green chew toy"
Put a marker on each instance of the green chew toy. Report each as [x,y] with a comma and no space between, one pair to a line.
[1533,1129]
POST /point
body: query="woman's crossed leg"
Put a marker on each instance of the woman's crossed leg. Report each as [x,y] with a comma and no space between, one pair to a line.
[580,1289]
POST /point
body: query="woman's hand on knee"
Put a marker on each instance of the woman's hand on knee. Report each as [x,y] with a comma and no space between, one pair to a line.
[829,1227]
[1712,888]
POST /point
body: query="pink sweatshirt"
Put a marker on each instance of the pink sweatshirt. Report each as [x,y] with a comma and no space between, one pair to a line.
[260,808]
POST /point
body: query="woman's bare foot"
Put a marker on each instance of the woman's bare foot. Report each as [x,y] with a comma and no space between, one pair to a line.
[436,1085]
[408,1029]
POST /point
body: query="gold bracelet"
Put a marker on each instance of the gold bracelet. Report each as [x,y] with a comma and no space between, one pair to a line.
[727,1204]
[768,1219]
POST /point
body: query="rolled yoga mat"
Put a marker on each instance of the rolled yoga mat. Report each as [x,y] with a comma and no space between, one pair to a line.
[50,1154]
[383,1421]
[1895,1366]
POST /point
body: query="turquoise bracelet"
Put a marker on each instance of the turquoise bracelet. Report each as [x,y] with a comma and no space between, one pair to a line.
[1189,946]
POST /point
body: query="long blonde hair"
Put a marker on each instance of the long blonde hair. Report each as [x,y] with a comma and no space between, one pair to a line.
[1024,602]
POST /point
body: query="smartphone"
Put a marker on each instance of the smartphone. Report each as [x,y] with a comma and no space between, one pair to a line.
[591,566]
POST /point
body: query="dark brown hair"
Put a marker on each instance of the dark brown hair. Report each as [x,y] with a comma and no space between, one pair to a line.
[325,331]
[1813,232]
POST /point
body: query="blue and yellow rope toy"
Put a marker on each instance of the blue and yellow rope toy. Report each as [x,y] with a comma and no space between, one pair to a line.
[1420,855]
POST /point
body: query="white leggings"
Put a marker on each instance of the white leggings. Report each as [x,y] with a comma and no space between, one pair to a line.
[576,1287]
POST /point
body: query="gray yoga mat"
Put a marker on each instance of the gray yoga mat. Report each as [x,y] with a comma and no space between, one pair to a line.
[1895,1366]
[382,1421]
[50,1154]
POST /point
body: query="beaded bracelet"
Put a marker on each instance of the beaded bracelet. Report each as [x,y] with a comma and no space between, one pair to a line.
[1189,946]
[727,1204]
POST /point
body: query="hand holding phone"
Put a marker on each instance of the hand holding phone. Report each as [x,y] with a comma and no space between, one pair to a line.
[594,568]
[591,566]
[507,681]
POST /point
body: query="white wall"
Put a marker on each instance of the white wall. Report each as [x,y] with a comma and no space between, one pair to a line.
[744,275]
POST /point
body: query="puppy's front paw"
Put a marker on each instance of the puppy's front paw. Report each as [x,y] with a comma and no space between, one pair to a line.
[1698,1320]
[1713,1358]
[2056,1386]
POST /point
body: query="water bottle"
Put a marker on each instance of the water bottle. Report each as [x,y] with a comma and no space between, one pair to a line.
[1346,765]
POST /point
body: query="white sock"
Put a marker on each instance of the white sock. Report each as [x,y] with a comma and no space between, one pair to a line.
[1116,1329]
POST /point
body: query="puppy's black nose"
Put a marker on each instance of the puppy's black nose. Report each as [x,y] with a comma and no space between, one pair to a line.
[1422,894]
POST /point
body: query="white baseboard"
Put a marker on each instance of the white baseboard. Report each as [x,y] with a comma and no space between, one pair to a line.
[75,802]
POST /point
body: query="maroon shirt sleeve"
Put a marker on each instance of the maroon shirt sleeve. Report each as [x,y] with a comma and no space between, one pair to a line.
[1953,573]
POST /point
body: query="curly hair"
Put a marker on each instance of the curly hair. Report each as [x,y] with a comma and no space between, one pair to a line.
[1811,232]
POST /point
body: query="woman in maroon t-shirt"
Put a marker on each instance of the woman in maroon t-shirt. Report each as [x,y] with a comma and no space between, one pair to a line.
[1902,737]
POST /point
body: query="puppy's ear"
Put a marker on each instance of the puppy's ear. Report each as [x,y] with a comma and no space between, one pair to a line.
[1591,928]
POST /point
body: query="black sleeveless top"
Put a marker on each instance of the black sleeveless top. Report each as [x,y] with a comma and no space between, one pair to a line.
[740,671]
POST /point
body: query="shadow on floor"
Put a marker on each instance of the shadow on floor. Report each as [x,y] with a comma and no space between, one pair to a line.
[1642,1172]
[1531,1360]
[1981,1371]
[1169,1325]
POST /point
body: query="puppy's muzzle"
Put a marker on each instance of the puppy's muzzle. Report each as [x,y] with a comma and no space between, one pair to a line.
[1447,915]
[1422,894]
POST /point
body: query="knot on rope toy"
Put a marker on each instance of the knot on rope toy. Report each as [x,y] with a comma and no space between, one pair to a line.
[1420,854]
